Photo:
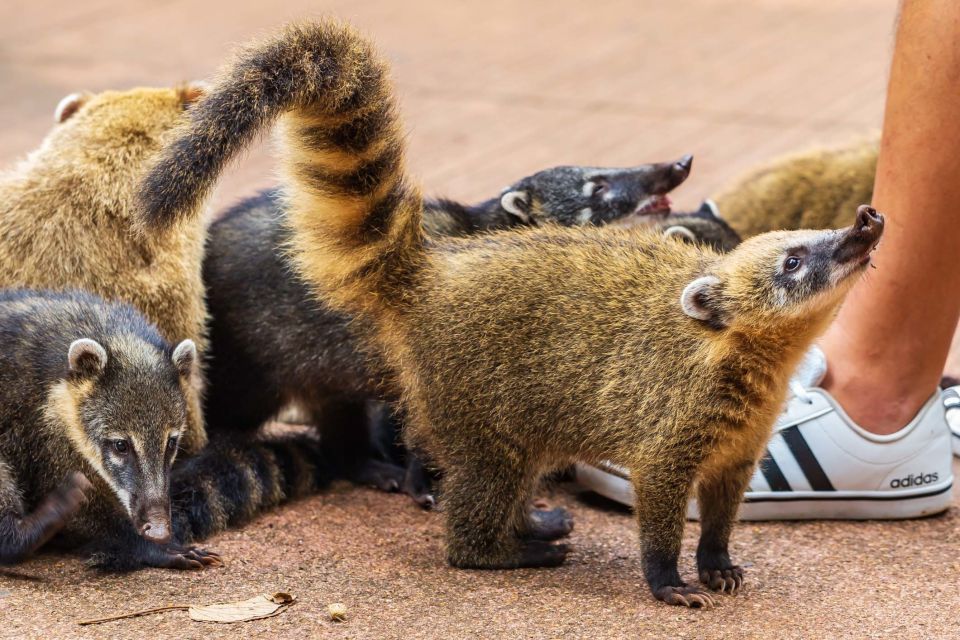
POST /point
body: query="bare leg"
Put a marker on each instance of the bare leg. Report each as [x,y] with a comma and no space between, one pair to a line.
[889,343]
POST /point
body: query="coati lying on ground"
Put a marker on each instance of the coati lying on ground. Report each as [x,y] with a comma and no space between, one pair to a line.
[273,343]
[90,393]
[815,189]
[66,215]
[517,352]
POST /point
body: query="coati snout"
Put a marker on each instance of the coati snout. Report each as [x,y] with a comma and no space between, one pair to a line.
[809,270]
[595,195]
[131,421]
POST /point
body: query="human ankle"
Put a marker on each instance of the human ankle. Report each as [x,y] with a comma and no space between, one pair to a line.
[879,409]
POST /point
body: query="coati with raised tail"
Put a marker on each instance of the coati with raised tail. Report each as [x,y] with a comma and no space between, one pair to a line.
[273,343]
[814,189]
[94,404]
[520,351]
[66,215]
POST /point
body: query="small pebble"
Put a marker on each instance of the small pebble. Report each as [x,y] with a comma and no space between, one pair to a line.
[338,611]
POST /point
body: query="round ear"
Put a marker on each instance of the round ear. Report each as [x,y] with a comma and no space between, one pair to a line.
[699,300]
[185,358]
[682,233]
[69,106]
[193,91]
[86,357]
[516,203]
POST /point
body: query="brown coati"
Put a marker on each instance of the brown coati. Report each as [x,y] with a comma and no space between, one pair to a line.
[92,393]
[66,214]
[273,343]
[815,189]
[520,351]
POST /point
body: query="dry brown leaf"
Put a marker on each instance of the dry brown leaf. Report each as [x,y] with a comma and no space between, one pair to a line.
[252,609]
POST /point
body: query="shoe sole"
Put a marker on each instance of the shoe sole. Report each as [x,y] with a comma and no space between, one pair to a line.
[797,505]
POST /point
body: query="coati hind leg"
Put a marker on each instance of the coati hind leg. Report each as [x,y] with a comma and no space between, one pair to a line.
[719,494]
[485,499]
[21,535]
[662,488]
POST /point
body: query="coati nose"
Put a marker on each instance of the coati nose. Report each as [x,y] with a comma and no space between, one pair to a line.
[868,219]
[158,532]
[681,168]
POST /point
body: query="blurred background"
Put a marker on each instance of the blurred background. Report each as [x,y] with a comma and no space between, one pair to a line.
[495,90]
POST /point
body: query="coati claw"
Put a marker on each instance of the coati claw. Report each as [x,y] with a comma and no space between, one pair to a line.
[549,524]
[729,580]
[187,558]
[686,596]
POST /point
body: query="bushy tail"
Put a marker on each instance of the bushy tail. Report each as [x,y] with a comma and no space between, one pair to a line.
[229,484]
[356,218]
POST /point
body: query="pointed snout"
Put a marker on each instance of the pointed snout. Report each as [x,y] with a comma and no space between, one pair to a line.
[677,172]
[664,177]
[153,524]
[861,238]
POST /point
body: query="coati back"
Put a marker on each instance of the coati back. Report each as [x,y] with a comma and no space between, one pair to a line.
[815,189]
[506,369]
[273,343]
[66,215]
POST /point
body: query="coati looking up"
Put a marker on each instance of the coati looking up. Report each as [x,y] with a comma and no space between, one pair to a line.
[273,343]
[506,369]
[66,216]
[815,189]
[90,390]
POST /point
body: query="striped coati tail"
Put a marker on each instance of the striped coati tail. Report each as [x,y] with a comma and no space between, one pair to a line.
[356,217]
[229,484]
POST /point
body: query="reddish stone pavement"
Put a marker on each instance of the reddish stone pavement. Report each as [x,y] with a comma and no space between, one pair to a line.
[492,91]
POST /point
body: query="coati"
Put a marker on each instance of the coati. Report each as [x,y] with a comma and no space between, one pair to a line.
[520,351]
[66,216]
[272,343]
[94,399]
[815,189]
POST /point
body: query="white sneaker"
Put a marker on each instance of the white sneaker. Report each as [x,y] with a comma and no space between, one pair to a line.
[820,465]
[951,404]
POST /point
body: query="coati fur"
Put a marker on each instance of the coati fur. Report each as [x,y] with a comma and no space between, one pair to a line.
[93,398]
[517,352]
[66,214]
[815,189]
[273,343]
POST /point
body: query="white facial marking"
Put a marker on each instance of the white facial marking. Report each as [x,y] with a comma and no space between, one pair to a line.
[585,215]
[588,188]
[124,497]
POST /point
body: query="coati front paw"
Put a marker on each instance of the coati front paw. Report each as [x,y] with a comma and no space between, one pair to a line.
[541,554]
[380,475]
[685,596]
[549,524]
[729,580]
[174,556]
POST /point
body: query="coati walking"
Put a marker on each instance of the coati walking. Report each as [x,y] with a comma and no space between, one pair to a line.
[815,189]
[66,217]
[520,351]
[91,393]
[273,343]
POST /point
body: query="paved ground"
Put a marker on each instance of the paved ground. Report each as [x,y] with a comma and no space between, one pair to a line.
[492,91]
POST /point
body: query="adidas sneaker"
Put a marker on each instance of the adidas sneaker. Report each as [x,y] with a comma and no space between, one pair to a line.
[819,464]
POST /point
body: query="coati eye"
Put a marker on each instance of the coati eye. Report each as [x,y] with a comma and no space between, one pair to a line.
[792,263]
[599,186]
[121,446]
[172,443]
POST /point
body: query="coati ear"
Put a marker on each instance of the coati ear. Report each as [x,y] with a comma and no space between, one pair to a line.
[69,106]
[185,358]
[516,203]
[193,91]
[700,300]
[86,357]
[681,232]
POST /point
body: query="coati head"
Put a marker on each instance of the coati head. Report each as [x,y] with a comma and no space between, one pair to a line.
[702,227]
[574,195]
[124,406]
[800,275]
[115,119]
